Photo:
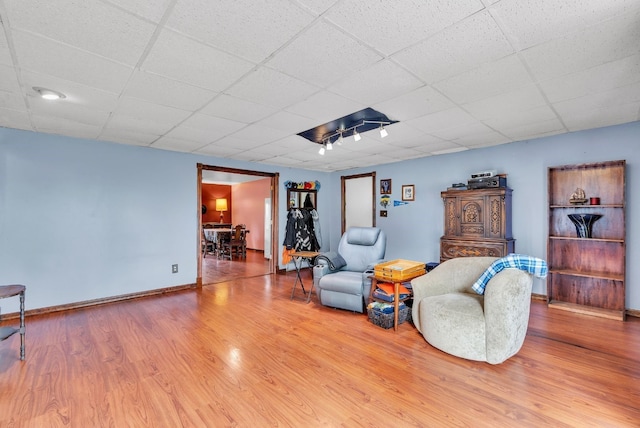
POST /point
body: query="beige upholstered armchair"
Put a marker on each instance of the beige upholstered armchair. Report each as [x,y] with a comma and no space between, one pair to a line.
[455,319]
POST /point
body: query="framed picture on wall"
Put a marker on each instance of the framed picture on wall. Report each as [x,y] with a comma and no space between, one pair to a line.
[385,186]
[408,192]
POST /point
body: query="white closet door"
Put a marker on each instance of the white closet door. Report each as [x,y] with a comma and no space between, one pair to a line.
[358,202]
[267,228]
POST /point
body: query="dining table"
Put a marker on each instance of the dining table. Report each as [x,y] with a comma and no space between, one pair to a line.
[215,236]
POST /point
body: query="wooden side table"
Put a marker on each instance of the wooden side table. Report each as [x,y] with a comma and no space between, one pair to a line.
[396,298]
[6,332]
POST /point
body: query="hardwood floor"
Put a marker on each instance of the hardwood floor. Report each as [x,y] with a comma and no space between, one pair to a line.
[241,353]
[216,270]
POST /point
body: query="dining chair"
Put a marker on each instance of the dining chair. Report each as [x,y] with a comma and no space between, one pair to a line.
[237,242]
[207,245]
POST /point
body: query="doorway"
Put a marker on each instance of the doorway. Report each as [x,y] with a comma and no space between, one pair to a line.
[210,269]
[358,191]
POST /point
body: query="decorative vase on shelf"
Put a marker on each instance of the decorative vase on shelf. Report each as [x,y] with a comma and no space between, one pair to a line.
[584,223]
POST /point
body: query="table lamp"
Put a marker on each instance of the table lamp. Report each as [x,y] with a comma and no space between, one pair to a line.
[221,205]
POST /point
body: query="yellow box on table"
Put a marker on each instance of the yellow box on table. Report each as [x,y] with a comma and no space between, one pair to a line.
[399,270]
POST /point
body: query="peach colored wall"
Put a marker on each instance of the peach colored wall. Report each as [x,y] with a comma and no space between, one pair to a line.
[248,208]
[211,192]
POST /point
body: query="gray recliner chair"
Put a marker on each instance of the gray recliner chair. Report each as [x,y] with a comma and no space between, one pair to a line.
[342,279]
[453,318]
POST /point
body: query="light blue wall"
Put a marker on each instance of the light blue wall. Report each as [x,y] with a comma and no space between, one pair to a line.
[414,229]
[83,220]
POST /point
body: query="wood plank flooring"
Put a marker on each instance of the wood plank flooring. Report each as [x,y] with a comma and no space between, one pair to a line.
[241,353]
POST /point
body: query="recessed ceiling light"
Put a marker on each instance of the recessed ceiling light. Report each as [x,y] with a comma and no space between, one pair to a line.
[49,94]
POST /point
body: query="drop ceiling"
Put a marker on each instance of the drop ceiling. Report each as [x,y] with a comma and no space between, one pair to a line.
[239,79]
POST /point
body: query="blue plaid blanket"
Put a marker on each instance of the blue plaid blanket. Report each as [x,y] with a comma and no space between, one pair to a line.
[533,265]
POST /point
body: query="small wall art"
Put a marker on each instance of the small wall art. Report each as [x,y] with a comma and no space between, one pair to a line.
[408,192]
[385,186]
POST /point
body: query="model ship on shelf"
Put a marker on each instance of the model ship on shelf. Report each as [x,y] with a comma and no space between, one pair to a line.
[578,197]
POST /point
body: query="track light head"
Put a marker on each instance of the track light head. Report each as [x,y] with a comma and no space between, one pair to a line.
[356,135]
[322,150]
[383,132]
[329,145]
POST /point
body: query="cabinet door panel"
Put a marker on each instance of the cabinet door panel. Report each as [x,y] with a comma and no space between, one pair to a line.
[472,220]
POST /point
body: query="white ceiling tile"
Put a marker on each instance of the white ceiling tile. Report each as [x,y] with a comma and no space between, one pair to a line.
[149,111]
[14,119]
[236,109]
[466,131]
[500,106]
[48,57]
[323,64]
[90,25]
[186,133]
[533,22]
[260,134]
[530,129]
[9,80]
[152,10]
[420,102]
[318,7]
[127,136]
[289,122]
[381,82]
[68,110]
[392,26]
[599,44]
[216,126]
[459,48]
[5,54]
[325,106]
[589,119]
[506,119]
[282,161]
[272,88]
[12,101]
[51,125]
[183,59]
[161,90]
[137,125]
[441,120]
[504,75]
[440,146]
[249,156]
[292,142]
[229,26]
[596,79]
[601,100]
[176,144]
[219,150]
[269,150]
[75,93]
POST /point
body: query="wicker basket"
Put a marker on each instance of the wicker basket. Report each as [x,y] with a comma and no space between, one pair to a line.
[386,320]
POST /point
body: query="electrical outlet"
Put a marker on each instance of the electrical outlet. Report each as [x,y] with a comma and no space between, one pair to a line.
[174,268]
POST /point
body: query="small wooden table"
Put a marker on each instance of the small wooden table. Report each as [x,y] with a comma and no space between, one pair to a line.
[6,332]
[298,258]
[396,292]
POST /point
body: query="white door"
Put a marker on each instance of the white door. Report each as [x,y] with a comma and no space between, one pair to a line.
[358,201]
[267,228]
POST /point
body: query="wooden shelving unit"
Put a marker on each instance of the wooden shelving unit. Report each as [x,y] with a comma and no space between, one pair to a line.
[587,275]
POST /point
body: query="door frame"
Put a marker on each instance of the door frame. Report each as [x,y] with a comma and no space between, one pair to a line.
[343,183]
[275,177]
